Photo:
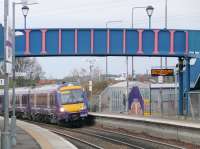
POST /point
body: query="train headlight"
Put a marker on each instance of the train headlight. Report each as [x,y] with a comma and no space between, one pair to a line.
[83,107]
[62,109]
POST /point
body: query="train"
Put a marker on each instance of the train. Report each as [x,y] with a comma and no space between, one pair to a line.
[55,103]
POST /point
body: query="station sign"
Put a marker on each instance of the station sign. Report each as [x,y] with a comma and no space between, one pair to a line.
[162,72]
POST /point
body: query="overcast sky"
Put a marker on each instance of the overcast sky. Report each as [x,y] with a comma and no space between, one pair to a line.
[182,14]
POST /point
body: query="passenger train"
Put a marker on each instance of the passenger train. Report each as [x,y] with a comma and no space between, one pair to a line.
[57,103]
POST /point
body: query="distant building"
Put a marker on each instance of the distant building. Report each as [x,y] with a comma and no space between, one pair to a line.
[44,82]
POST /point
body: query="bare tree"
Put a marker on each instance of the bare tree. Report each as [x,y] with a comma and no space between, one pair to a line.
[32,68]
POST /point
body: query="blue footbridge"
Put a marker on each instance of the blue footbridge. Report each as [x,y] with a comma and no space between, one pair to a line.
[183,44]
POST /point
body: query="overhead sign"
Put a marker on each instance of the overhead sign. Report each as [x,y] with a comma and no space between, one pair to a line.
[162,72]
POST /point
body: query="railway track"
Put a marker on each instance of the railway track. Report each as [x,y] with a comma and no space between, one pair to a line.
[96,138]
[78,142]
[153,143]
[105,142]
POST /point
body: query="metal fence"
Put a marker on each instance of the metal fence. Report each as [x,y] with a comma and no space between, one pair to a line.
[110,100]
[195,105]
[163,102]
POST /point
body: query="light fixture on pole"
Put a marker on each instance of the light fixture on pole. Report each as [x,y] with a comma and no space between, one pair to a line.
[132,25]
[149,11]
[25,10]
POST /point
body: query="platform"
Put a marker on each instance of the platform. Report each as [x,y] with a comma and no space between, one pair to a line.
[158,120]
[34,137]
[165,128]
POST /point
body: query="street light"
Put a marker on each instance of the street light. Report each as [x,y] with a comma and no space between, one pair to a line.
[132,22]
[13,118]
[149,11]
[107,23]
[115,21]
[25,10]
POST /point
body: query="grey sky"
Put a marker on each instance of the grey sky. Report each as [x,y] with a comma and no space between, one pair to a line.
[182,14]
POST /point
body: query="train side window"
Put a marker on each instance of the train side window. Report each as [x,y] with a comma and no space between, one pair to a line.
[52,100]
[1,99]
[42,100]
[32,99]
[17,100]
[24,100]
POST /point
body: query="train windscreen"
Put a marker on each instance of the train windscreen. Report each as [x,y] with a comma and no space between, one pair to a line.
[71,96]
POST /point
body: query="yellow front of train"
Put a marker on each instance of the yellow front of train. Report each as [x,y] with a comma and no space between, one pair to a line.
[73,103]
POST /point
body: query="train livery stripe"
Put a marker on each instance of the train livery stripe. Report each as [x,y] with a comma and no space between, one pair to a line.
[64,88]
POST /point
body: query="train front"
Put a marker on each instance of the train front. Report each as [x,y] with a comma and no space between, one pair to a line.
[72,103]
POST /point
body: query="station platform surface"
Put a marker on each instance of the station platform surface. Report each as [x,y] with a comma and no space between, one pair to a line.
[179,121]
[30,136]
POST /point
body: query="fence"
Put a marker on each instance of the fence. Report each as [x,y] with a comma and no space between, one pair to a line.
[195,105]
[163,101]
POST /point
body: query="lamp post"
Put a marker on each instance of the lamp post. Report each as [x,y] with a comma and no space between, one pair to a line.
[166,26]
[25,10]
[132,16]
[91,65]
[149,11]
[5,144]
[132,25]
[127,84]
[13,118]
[107,23]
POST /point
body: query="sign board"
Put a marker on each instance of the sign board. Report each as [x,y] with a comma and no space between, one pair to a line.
[90,83]
[90,86]
[1,82]
[20,74]
[162,72]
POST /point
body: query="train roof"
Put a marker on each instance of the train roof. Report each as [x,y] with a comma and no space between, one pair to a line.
[37,89]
